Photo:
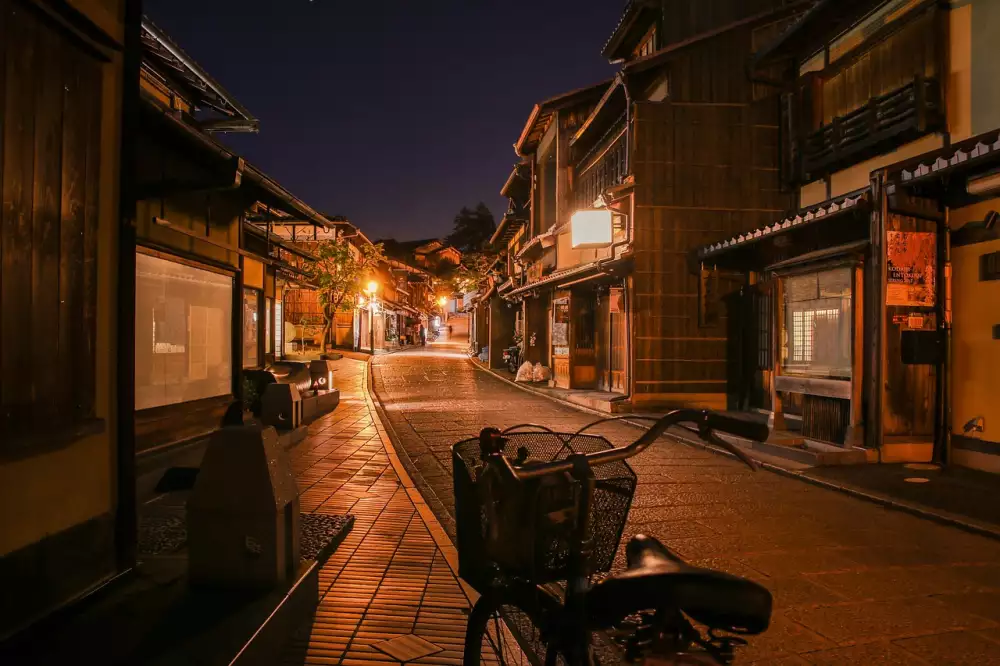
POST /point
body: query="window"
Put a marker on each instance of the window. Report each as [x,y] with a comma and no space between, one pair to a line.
[251,327]
[648,44]
[183,333]
[279,330]
[818,327]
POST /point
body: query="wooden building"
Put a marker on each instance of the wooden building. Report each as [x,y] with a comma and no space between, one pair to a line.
[206,277]
[846,317]
[67,502]
[681,147]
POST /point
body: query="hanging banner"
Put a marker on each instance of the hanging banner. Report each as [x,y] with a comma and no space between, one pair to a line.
[911,259]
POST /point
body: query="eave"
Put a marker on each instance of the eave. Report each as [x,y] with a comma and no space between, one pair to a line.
[509,226]
[163,56]
[630,16]
[664,55]
[270,192]
[824,21]
[542,113]
[518,183]
[604,105]
[733,252]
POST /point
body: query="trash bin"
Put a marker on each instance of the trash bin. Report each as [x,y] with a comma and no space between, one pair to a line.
[243,513]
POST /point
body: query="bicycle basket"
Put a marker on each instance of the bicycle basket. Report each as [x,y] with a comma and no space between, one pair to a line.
[526,532]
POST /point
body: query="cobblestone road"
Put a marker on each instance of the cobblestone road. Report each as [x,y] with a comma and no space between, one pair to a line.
[854,583]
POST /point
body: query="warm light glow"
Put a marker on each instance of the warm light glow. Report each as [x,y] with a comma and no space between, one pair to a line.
[591,228]
[442,301]
[372,287]
[362,302]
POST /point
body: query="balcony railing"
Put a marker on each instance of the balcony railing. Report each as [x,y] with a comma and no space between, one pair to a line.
[606,165]
[882,124]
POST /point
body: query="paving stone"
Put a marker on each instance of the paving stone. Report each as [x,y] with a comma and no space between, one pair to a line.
[842,570]
[953,649]
[869,654]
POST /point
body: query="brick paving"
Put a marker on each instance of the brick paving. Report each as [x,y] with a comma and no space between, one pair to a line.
[389,589]
[854,583]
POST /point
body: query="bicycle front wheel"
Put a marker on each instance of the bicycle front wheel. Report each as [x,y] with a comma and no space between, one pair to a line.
[512,626]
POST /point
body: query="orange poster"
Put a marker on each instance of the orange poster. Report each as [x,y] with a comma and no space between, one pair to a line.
[911,266]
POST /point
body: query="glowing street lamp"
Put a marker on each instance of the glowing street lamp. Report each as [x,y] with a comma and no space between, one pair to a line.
[443,301]
[590,229]
[372,287]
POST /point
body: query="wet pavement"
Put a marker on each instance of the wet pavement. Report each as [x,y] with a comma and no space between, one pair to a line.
[389,593]
[854,583]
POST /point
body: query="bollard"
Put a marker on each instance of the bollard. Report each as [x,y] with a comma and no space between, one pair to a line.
[243,514]
[322,375]
[281,406]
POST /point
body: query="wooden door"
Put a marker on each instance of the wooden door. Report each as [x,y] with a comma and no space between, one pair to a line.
[583,343]
[603,342]
[561,339]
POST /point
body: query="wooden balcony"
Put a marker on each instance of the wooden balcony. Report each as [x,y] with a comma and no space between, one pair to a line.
[880,126]
[605,166]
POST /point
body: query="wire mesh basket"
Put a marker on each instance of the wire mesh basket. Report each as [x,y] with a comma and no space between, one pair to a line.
[524,529]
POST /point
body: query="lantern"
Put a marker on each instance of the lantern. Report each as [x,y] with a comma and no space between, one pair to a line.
[591,229]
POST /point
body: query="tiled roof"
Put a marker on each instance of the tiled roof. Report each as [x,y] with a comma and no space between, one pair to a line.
[938,162]
[803,217]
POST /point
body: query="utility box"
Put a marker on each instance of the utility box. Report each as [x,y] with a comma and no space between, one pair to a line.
[281,406]
[243,514]
[322,375]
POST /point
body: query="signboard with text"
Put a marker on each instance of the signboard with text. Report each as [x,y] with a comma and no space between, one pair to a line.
[911,263]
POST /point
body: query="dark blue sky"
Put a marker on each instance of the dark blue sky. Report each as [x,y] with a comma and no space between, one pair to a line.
[395,113]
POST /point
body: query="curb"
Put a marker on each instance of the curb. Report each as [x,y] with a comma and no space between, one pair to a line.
[438,533]
[886,501]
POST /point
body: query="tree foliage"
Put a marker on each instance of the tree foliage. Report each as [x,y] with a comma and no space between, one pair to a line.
[473,228]
[339,273]
[471,275]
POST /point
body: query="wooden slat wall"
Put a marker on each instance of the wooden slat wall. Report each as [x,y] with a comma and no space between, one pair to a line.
[49,164]
[684,18]
[885,67]
[705,166]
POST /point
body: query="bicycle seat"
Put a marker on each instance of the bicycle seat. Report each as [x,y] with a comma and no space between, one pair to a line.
[658,579]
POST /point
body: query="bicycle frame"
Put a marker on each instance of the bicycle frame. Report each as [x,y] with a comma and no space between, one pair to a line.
[572,630]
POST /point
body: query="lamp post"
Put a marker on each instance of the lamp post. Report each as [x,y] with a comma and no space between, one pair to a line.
[370,290]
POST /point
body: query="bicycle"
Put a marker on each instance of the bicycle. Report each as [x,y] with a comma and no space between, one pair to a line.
[539,513]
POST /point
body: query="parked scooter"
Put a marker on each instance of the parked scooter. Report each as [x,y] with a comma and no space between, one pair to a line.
[512,357]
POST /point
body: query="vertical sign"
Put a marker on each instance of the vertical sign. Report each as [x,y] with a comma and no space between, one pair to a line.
[911,259]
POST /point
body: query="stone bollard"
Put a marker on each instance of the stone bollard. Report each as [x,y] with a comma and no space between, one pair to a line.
[243,514]
[322,375]
[281,406]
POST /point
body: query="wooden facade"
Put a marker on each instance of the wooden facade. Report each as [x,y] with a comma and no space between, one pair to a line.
[207,302]
[867,112]
[62,86]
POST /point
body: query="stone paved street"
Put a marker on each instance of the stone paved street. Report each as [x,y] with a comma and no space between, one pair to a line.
[389,578]
[854,583]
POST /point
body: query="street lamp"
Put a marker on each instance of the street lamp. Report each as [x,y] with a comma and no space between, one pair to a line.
[370,290]
[442,301]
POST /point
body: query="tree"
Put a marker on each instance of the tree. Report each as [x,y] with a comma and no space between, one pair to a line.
[339,272]
[471,275]
[473,228]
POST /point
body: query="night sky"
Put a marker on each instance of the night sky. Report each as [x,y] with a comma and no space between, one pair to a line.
[395,113]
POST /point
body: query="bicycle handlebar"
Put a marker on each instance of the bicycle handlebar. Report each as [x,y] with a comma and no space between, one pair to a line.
[706,420]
